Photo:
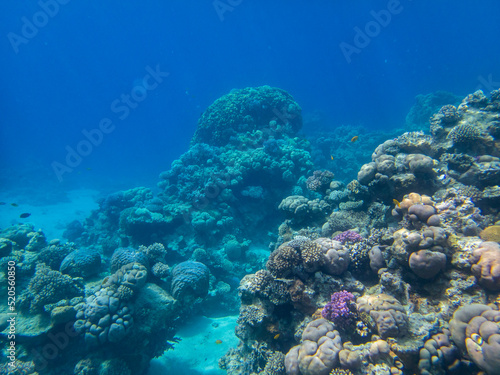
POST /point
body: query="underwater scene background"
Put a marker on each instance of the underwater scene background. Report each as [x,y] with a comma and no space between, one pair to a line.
[234,187]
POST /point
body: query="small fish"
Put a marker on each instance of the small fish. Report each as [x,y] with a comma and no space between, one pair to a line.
[14,205]
[2,203]
[331,157]
[396,203]
[218,342]
[25,215]
[354,139]
[88,169]
[276,336]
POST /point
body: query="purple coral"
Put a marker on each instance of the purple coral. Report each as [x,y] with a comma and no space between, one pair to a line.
[348,236]
[341,309]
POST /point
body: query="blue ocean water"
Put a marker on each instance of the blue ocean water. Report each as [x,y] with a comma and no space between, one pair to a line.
[104,97]
[62,76]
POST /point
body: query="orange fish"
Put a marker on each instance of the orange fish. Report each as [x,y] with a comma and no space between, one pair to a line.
[354,139]
[218,342]
[331,157]
[396,203]
[277,336]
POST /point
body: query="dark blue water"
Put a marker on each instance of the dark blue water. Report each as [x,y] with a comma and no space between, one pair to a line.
[61,78]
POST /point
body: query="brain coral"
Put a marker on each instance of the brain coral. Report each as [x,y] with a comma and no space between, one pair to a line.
[254,108]
[126,255]
[319,351]
[190,279]
[81,263]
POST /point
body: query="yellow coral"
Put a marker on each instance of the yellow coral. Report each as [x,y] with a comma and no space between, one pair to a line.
[491,233]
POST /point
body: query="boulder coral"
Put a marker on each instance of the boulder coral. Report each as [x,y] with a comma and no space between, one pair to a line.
[261,108]
[107,315]
[190,280]
[486,267]
[474,329]
[389,316]
[318,354]
[81,263]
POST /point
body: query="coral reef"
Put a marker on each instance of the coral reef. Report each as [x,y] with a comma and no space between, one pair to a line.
[392,268]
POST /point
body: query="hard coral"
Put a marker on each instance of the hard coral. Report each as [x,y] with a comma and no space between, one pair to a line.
[190,280]
[491,233]
[387,313]
[427,264]
[341,309]
[264,108]
[107,315]
[439,352]
[319,181]
[474,328]
[319,351]
[464,133]
[49,286]
[283,261]
[81,263]
[126,255]
[486,265]
[348,236]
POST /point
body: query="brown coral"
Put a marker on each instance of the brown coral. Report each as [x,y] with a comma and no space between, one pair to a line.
[318,354]
[491,233]
[283,261]
[312,256]
[487,265]
[387,313]
[474,329]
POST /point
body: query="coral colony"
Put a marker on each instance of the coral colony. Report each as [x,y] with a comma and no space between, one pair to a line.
[382,258]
